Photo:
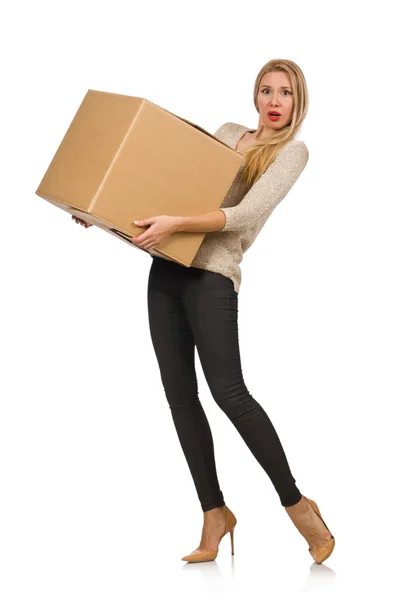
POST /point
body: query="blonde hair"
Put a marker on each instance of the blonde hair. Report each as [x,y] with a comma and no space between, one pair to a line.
[262,152]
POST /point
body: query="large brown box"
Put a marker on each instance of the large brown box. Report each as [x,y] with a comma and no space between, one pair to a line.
[124,158]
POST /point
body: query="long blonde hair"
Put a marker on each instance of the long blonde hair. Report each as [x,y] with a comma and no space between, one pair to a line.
[262,153]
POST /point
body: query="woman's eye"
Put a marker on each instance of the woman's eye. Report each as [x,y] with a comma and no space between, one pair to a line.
[267,89]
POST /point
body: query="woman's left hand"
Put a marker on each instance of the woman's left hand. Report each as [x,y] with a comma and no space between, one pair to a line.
[160,228]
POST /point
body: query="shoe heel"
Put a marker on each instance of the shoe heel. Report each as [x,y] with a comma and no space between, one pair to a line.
[230,522]
[232,540]
[323,551]
[317,510]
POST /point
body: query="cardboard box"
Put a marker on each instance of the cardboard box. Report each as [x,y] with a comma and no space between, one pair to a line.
[124,158]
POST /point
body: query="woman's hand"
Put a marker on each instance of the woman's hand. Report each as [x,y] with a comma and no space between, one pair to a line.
[160,228]
[81,222]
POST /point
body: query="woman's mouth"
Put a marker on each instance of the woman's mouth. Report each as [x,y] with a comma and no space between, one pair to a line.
[273,116]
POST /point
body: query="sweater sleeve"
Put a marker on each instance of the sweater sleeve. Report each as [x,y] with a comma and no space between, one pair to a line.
[269,189]
[220,131]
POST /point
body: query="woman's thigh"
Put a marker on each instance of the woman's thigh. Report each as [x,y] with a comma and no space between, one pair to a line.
[171,336]
[211,306]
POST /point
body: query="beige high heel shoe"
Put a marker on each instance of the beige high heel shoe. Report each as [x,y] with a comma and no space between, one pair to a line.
[320,553]
[208,555]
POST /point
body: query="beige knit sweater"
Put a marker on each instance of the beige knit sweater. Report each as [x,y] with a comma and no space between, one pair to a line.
[247,209]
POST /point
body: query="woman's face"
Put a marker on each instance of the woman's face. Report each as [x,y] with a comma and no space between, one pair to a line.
[275,94]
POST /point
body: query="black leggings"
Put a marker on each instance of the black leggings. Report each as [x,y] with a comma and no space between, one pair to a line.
[191,307]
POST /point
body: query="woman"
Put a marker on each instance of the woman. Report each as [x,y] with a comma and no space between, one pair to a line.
[198,307]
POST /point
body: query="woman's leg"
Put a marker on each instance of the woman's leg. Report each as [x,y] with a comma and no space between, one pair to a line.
[211,305]
[174,348]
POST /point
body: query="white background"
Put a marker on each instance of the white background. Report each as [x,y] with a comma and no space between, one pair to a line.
[96,498]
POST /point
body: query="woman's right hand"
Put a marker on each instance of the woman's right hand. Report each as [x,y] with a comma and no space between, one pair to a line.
[81,222]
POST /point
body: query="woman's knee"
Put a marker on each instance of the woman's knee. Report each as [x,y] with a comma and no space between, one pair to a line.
[229,392]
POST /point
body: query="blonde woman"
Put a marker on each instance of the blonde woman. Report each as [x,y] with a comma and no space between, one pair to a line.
[197,307]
